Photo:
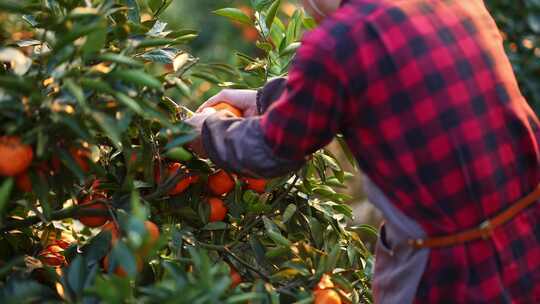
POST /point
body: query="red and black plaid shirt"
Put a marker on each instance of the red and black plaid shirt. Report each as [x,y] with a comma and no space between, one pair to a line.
[428,102]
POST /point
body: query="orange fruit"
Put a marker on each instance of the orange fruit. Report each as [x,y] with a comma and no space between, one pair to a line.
[94,220]
[119,271]
[23,182]
[218,210]
[115,233]
[255,184]
[326,296]
[62,244]
[182,184]
[223,106]
[250,34]
[15,157]
[324,283]
[153,236]
[235,278]
[220,183]
[81,157]
[52,256]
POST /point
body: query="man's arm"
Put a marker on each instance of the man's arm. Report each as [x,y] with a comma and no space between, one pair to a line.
[305,118]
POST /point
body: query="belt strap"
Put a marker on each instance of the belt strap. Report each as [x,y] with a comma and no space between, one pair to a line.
[483,231]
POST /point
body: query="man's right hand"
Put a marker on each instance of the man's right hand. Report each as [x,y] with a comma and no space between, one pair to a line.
[244,100]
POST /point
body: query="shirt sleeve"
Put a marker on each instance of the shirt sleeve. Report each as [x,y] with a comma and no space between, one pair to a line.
[310,111]
[300,115]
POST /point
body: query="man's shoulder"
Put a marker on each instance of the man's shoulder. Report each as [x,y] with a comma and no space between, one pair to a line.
[346,25]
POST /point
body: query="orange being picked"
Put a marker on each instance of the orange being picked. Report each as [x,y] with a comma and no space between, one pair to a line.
[218,210]
[15,156]
[235,277]
[220,183]
[255,184]
[223,106]
[120,271]
[326,296]
[94,220]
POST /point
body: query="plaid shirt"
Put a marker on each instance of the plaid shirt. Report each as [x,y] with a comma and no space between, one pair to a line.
[428,102]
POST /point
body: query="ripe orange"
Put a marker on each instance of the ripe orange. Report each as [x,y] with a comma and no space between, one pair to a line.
[62,244]
[220,183]
[235,277]
[324,283]
[181,185]
[52,256]
[326,296]
[223,106]
[120,271]
[94,220]
[23,182]
[218,210]
[15,157]
[81,157]
[153,236]
[250,34]
[115,234]
[255,184]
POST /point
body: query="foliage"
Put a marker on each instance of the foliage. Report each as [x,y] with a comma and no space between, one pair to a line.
[519,21]
[87,84]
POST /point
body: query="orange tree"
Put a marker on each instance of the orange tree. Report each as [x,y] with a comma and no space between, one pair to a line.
[101,202]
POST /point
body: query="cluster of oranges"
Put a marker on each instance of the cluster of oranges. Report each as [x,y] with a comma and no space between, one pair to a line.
[17,158]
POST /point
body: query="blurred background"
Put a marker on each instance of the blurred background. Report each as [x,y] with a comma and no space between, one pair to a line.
[518,20]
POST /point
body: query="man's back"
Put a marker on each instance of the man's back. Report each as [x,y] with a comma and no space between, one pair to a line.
[437,121]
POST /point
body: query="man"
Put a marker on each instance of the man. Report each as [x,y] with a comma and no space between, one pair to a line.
[428,103]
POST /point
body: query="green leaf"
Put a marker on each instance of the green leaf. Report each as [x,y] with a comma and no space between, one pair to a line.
[129,102]
[13,7]
[216,226]
[121,256]
[181,140]
[234,14]
[290,49]
[278,238]
[242,298]
[272,13]
[133,11]
[108,125]
[289,212]
[5,191]
[76,91]
[179,153]
[138,77]
[76,275]
[122,59]
[95,41]
[534,22]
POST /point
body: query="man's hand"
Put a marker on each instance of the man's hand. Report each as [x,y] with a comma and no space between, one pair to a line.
[198,118]
[244,100]
[197,121]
